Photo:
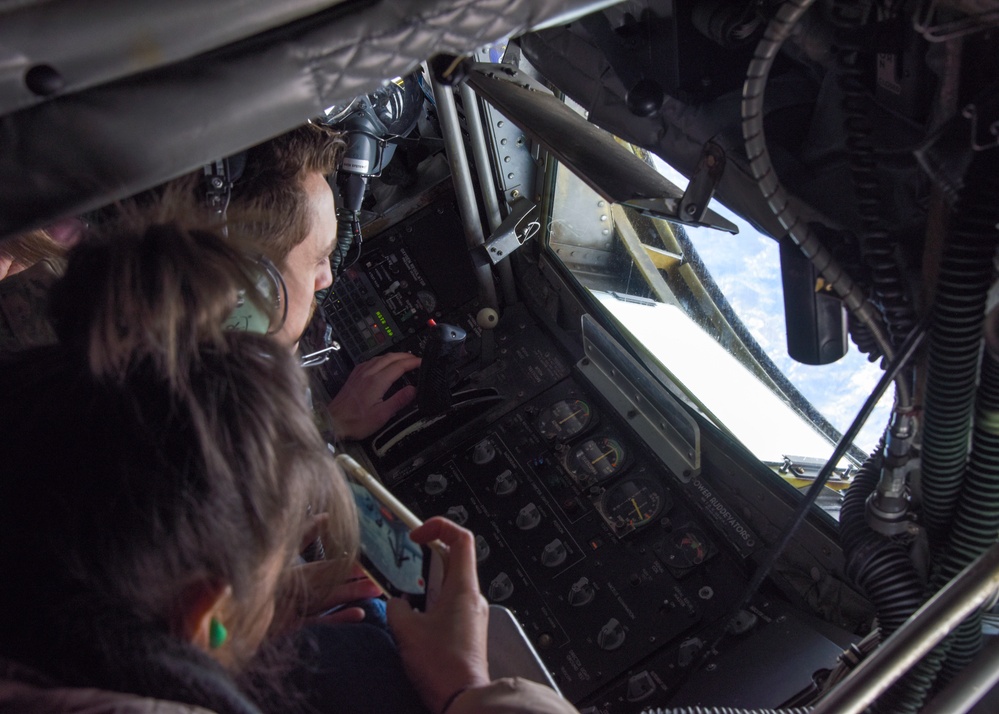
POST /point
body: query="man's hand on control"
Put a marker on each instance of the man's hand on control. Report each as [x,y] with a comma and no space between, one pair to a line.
[358,410]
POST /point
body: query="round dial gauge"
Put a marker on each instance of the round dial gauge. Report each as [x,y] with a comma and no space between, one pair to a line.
[690,547]
[427,300]
[563,420]
[595,459]
[634,502]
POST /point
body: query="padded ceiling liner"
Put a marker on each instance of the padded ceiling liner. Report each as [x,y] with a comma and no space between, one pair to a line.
[80,150]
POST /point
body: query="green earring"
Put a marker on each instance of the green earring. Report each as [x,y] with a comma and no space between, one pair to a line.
[217,634]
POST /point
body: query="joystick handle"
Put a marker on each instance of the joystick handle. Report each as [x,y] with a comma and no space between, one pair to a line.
[433,392]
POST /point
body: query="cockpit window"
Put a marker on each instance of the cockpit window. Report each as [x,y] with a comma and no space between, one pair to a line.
[706,308]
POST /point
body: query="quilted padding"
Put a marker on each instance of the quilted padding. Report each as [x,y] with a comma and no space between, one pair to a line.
[77,151]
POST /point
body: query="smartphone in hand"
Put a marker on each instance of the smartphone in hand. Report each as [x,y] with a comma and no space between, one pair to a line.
[400,567]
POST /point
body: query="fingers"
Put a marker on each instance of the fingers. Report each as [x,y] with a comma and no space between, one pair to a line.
[380,412]
[396,362]
[460,575]
[358,409]
[446,531]
[380,376]
[399,611]
[397,401]
[385,369]
[444,648]
[356,572]
[323,595]
[343,616]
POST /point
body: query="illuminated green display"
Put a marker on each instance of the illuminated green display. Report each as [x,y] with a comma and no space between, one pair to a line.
[384,322]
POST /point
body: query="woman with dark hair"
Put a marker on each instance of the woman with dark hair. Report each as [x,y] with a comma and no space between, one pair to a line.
[156,472]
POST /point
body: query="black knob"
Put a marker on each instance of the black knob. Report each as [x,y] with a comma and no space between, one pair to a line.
[43,80]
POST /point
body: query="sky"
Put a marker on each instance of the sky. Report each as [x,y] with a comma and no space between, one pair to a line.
[746,268]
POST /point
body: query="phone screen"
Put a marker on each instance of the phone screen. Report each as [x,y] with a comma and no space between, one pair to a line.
[397,564]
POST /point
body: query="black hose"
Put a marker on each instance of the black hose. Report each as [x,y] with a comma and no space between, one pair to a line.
[863,339]
[853,528]
[725,710]
[957,327]
[886,574]
[976,520]
[958,318]
[880,567]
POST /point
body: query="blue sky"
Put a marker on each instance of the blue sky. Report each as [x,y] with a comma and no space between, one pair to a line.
[747,269]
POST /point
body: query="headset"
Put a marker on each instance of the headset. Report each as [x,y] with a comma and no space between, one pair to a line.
[249,314]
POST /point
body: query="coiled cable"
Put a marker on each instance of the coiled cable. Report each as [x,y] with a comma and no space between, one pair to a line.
[777,198]
[877,243]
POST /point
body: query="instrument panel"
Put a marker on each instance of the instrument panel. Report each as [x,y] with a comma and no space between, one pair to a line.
[623,575]
[603,567]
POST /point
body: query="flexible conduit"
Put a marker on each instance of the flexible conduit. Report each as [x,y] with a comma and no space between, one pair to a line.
[877,242]
[880,567]
[777,198]
[726,710]
[956,335]
[976,521]
[961,493]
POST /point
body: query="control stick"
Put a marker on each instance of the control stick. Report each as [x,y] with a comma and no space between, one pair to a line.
[433,392]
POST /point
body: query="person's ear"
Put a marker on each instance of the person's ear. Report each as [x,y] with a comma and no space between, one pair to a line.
[202,614]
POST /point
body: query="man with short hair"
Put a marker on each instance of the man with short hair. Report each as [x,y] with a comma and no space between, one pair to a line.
[284,203]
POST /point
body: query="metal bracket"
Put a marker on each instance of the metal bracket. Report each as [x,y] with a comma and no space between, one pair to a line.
[710,167]
[984,116]
[322,356]
[692,207]
[505,239]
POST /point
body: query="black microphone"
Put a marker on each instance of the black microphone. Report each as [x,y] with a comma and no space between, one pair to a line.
[361,160]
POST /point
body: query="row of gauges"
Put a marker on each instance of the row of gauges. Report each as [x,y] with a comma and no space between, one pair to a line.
[626,504]
[589,461]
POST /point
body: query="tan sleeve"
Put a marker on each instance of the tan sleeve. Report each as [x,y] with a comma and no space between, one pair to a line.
[511,696]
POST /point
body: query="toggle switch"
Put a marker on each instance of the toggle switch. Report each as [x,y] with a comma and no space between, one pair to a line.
[481,549]
[483,452]
[640,686]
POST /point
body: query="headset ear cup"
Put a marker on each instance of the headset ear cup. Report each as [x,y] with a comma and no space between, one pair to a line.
[249,315]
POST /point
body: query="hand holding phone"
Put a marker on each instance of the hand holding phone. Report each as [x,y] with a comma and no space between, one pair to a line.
[444,648]
[400,567]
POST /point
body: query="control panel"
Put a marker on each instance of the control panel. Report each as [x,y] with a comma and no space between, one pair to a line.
[580,534]
[623,574]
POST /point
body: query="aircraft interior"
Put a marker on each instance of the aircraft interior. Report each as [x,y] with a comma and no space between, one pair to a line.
[518,230]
